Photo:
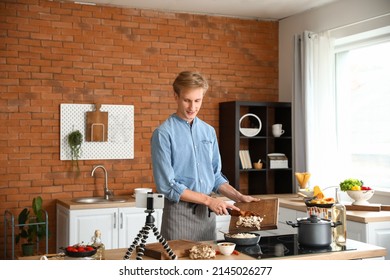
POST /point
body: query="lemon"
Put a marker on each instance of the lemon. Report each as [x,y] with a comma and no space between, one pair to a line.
[355,188]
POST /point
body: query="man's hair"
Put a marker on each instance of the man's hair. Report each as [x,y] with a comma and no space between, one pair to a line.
[187,79]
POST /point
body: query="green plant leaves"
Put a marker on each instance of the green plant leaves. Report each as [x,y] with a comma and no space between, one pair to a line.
[75,139]
[33,233]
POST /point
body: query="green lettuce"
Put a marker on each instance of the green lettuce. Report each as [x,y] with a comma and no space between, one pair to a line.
[347,184]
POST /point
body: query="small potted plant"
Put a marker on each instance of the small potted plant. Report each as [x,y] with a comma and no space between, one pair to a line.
[32,227]
[75,139]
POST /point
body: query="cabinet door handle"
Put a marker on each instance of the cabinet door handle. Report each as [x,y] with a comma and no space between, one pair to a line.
[114,219]
[121,221]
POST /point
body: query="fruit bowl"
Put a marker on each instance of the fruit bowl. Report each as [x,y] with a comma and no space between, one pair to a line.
[360,197]
[80,251]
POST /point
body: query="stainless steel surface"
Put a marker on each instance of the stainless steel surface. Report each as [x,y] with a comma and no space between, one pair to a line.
[99,199]
[107,193]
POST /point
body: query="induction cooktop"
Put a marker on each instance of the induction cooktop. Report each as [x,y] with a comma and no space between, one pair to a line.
[285,245]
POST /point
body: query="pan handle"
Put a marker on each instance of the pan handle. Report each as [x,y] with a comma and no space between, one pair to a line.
[290,223]
[338,223]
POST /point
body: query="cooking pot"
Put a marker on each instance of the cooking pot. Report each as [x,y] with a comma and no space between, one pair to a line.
[314,231]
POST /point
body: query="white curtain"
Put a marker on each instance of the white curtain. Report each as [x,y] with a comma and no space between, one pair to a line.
[314,108]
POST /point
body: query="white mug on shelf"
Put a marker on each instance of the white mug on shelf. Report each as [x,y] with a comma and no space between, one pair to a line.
[277,130]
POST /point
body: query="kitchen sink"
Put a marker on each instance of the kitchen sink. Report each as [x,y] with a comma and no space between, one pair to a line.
[99,199]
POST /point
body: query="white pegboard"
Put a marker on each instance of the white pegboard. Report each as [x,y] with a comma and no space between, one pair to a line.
[120,140]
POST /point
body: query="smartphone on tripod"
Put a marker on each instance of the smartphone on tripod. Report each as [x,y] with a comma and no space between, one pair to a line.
[149,200]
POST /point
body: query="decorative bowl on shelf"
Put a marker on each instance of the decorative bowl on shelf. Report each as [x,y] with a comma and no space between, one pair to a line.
[250,131]
[360,197]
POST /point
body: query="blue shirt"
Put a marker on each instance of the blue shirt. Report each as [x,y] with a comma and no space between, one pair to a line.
[186,156]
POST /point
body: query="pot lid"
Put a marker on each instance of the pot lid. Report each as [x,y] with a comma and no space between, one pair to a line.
[313,219]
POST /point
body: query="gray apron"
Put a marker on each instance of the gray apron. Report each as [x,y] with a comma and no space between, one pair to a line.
[187,221]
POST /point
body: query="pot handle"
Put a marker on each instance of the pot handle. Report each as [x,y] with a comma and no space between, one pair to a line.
[338,223]
[294,225]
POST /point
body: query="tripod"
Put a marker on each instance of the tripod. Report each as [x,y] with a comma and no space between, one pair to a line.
[143,235]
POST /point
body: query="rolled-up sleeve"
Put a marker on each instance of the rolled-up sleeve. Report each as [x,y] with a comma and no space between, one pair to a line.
[163,173]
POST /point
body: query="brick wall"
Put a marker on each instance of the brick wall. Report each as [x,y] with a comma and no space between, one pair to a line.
[55,52]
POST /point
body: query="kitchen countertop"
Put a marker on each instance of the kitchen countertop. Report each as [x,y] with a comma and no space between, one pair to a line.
[69,204]
[363,251]
[290,201]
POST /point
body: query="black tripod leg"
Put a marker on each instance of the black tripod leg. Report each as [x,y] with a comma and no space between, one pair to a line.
[164,243]
[132,247]
[141,248]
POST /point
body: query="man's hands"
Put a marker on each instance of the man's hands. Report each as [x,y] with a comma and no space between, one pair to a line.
[220,207]
[248,198]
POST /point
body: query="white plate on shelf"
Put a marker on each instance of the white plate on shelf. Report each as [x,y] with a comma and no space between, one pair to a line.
[276,155]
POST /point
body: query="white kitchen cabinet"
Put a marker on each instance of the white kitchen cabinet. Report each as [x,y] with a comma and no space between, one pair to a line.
[375,233]
[222,224]
[133,220]
[119,226]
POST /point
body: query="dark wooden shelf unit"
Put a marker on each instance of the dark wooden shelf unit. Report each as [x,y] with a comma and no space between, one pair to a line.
[231,141]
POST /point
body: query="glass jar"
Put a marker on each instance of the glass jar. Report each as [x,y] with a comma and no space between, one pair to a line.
[339,214]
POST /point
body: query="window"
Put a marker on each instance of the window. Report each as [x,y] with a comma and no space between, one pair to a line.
[363,108]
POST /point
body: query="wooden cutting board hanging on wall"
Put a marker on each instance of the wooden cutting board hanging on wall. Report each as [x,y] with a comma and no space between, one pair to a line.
[97,125]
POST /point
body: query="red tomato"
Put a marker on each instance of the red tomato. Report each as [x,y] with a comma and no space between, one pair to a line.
[81,249]
[72,249]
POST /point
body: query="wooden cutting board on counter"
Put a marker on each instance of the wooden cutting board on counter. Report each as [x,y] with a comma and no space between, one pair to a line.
[385,207]
[268,208]
[371,207]
[179,247]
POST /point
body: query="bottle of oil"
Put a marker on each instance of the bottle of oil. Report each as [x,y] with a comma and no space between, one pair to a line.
[339,214]
[98,244]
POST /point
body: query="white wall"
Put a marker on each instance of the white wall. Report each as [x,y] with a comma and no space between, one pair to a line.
[344,17]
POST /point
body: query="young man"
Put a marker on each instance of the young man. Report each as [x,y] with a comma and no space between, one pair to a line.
[187,167]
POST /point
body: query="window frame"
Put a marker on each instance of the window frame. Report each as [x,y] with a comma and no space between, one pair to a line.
[352,42]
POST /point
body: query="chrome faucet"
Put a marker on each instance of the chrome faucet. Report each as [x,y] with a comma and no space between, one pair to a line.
[107,192]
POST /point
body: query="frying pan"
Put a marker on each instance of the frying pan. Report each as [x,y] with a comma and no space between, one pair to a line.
[319,205]
[243,241]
